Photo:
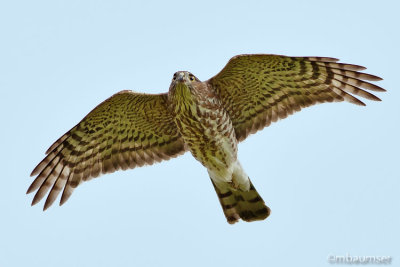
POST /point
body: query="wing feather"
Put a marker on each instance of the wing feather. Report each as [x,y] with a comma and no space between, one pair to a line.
[256,90]
[125,131]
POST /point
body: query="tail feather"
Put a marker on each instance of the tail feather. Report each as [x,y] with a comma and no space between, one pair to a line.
[238,204]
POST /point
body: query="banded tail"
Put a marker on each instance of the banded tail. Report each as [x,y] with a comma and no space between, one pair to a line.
[238,204]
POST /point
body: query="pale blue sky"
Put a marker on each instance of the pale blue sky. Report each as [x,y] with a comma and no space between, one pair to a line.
[330,174]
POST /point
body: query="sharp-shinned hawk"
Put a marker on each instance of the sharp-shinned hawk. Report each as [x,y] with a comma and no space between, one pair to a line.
[207,118]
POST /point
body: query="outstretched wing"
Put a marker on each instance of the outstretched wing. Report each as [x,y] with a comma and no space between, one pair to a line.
[259,89]
[125,131]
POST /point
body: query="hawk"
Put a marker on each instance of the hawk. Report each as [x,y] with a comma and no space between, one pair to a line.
[207,118]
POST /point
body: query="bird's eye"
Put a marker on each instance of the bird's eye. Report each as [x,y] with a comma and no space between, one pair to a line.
[191,77]
[174,78]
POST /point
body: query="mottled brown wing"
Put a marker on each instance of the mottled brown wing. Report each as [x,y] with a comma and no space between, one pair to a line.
[259,89]
[125,131]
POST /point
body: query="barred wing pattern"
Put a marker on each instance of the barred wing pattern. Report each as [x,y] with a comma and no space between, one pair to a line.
[259,89]
[127,130]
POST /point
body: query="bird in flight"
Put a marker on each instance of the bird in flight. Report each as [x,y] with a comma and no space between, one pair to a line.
[207,118]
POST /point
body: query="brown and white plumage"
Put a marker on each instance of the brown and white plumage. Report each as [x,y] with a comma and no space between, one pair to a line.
[259,89]
[207,118]
[125,131]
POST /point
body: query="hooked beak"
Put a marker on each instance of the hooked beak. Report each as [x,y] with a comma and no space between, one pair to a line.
[180,77]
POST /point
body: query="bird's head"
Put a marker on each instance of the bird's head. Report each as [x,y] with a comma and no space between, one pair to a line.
[183,84]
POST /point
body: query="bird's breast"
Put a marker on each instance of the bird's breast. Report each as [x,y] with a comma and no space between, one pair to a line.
[208,132]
